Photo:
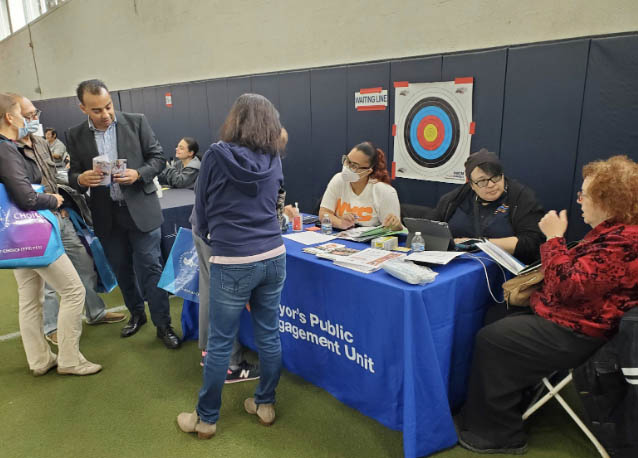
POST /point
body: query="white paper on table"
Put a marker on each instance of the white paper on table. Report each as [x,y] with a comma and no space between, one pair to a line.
[434,257]
[309,237]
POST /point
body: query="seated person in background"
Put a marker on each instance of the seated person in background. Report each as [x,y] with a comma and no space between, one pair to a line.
[361,193]
[183,173]
[490,205]
[585,293]
[58,150]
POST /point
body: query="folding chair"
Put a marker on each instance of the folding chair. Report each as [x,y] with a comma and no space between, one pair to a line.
[553,392]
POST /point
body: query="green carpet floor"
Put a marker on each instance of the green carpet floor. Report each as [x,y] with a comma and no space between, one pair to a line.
[129,409]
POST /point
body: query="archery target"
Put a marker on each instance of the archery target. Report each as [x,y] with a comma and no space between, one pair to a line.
[432,136]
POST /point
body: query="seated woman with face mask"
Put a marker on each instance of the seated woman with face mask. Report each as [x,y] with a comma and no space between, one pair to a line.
[361,193]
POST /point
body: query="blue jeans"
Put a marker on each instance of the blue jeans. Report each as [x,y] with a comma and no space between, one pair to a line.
[231,287]
[204,252]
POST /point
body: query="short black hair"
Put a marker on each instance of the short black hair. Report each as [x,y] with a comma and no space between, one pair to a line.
[92,87]
[490,168]
[52,130]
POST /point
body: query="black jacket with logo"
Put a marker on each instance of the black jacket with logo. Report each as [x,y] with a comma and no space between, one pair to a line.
[525,213]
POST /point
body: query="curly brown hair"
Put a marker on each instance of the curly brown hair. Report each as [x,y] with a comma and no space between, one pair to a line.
[614,187]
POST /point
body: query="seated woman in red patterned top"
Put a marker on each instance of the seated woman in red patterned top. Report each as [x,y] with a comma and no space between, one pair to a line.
[586,291]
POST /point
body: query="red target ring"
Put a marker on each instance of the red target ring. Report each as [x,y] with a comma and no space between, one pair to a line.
[440,132]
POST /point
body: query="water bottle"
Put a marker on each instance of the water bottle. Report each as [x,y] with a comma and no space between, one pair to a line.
[326,225]
[418,244]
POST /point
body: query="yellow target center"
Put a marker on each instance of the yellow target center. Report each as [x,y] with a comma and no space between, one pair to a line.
[430,133]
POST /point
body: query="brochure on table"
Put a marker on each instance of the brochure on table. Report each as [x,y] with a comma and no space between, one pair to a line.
[363,233]
[368,260]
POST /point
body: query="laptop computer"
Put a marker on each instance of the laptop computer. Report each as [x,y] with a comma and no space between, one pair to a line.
[436,234]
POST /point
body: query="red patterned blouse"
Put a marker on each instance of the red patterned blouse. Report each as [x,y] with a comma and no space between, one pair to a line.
[589,287]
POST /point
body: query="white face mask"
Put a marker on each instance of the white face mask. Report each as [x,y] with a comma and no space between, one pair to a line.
[349,176]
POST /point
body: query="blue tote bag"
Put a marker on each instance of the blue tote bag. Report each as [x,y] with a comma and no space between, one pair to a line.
[181,272]
[106,278]
[28,239]
[181,277]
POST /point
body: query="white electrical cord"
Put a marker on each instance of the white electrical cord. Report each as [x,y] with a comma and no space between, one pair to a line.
[487,278]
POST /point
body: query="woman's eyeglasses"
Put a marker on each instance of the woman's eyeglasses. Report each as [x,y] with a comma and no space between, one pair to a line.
[580,195]
[352,165]
[33,115]
[482,183]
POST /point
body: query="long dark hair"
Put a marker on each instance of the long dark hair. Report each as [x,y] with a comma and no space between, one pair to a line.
[253,122]
[377,161]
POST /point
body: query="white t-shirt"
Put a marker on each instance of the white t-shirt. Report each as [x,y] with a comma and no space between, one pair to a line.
[373,205]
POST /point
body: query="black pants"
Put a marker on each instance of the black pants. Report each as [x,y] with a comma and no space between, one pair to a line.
[132,251]
[509,356]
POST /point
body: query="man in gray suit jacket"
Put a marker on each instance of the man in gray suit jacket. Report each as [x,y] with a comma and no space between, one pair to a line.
[126,214]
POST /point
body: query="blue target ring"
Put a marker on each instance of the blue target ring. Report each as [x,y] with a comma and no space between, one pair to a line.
[443,111]
[447,139]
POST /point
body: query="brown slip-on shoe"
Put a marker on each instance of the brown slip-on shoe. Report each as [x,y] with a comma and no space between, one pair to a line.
[47,368]
[265,412]
[110,317]
[84,368]
[52,337]
[189,422]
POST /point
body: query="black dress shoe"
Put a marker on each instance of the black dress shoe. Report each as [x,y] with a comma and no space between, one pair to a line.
[168,336]
[133,325]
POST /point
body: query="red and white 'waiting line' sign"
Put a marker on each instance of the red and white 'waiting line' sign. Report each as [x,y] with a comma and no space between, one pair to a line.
[371,99]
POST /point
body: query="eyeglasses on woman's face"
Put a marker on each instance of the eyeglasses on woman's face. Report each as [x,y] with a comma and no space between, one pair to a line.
[580,195]
[353,165]
[33,115]
[484,182]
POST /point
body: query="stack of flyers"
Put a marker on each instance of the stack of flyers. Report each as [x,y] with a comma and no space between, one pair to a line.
[331,251]
[103,164]
[368,260]
[118,167]
[363,233]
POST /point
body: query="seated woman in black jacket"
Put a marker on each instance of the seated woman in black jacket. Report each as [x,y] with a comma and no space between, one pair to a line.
[490,206]
[183,172]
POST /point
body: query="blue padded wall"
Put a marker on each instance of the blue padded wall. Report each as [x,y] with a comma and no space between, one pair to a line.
[610,111]
[546,109]
[543,102]
[294,109]
[329,114]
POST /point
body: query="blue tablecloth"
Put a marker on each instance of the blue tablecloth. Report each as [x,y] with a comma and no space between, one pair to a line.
[398,353]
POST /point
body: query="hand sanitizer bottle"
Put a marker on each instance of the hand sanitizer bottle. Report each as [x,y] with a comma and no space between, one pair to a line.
[296,220]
